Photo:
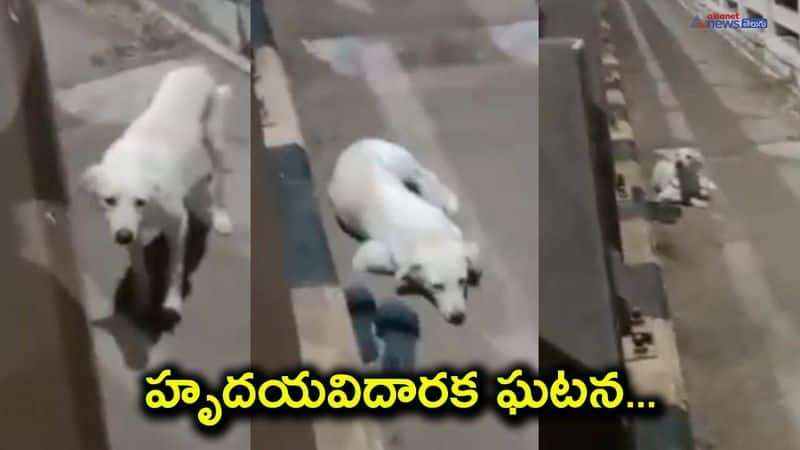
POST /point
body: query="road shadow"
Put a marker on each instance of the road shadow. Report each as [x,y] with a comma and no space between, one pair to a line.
[127,328]
[46,319]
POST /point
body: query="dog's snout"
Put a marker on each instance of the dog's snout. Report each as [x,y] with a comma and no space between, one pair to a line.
[457,318]
[123,236]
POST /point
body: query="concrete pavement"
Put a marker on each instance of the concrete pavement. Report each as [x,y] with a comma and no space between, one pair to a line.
[730,270]
[457,82]
[227,20]
[103,75]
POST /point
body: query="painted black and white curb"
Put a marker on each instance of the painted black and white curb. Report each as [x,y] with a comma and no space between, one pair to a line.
[324,325]
[653,366]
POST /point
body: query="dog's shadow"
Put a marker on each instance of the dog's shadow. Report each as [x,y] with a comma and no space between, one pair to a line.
[127,328]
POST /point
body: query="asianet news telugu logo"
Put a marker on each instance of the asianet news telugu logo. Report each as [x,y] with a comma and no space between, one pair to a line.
[732,20]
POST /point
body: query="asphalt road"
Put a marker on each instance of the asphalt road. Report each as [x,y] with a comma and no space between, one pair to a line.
[731,270]
[98,92]
[456,82]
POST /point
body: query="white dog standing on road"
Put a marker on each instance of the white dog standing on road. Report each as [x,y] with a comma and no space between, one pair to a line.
[144,176]
[402,214]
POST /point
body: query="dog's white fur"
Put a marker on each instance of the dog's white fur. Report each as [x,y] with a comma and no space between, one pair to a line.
[665,180]
[145,175]
[407,233]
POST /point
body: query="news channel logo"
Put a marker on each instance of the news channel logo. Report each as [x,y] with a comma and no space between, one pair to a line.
[732,20]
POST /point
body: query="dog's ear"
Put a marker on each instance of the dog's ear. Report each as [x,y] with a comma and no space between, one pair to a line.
[472,252]
[474,271]
[90,178]
[411,271]
[699,161]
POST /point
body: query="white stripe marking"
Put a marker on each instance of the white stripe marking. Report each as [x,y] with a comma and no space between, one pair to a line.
[675,117]
[519,41]
[362,6]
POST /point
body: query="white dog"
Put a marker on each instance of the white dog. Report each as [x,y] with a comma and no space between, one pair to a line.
[684,164]
[402,213]
[144,176]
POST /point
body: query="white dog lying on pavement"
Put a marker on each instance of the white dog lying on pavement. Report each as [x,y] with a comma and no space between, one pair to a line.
[677,178]
[402,214]
[144,176]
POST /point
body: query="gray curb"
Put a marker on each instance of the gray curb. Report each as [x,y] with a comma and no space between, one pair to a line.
[324,325]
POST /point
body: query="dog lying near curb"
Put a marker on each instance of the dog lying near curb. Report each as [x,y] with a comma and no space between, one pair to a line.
[677,178]
[144,176]
[402,214]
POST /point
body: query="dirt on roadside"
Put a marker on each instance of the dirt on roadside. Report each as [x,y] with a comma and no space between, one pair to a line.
[153,34]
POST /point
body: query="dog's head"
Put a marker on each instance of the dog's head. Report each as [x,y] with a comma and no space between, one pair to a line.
[689,158]
[445,271]
[123,194]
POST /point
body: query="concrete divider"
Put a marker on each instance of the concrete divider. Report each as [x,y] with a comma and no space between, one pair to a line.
[323,324]
[278,117]
[49,388]
[629,299]
[275,345]
[654,369]
[578,19]
[583,276]
[576,281]
[260,26]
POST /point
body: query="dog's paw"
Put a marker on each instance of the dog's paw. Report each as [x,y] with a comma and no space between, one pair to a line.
[168,318]
[222,222]
[170,312]
[708,184]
